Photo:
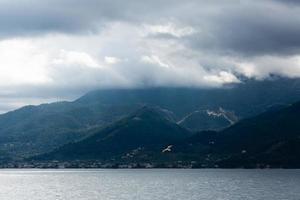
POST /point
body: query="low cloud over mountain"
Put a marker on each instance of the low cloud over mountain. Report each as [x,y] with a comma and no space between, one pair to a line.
[53,50]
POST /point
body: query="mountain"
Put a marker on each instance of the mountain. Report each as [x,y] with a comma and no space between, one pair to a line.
[208,119]
[245,99]
[37,129]
[269,139]
[34,130]
[272,138]
[149,129]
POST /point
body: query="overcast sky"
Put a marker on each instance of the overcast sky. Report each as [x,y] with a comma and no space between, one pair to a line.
[60,49]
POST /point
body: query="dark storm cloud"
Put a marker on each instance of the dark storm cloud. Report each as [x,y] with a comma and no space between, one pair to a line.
[250,29]
[294,2]
[70,16]
[239,27]
[147,43]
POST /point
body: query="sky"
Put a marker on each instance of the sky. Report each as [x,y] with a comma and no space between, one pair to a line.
[60,49]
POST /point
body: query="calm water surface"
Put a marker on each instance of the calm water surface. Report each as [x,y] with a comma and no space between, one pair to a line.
[156,184]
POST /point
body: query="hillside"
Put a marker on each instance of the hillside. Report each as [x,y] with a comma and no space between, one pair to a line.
[146,130]
[269,139]
[37,129]
[34,130]
[208,120]
[272,138]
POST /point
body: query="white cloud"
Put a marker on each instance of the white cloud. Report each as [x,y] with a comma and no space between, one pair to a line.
[153,59]
[222,77]
[68,58]
[111,60]
[63,52]
[263,66]
[169,28]
[20,62]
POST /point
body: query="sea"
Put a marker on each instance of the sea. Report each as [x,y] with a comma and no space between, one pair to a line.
[149,184]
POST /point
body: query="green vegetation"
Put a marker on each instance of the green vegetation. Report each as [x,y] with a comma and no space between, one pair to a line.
[171,112]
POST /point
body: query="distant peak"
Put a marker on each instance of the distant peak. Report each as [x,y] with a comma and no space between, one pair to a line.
[149,111]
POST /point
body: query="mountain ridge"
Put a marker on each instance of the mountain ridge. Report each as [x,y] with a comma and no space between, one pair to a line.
[270,139]
[146,128]
[33,130]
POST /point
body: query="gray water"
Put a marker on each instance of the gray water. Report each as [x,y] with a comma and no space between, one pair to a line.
[154,184]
